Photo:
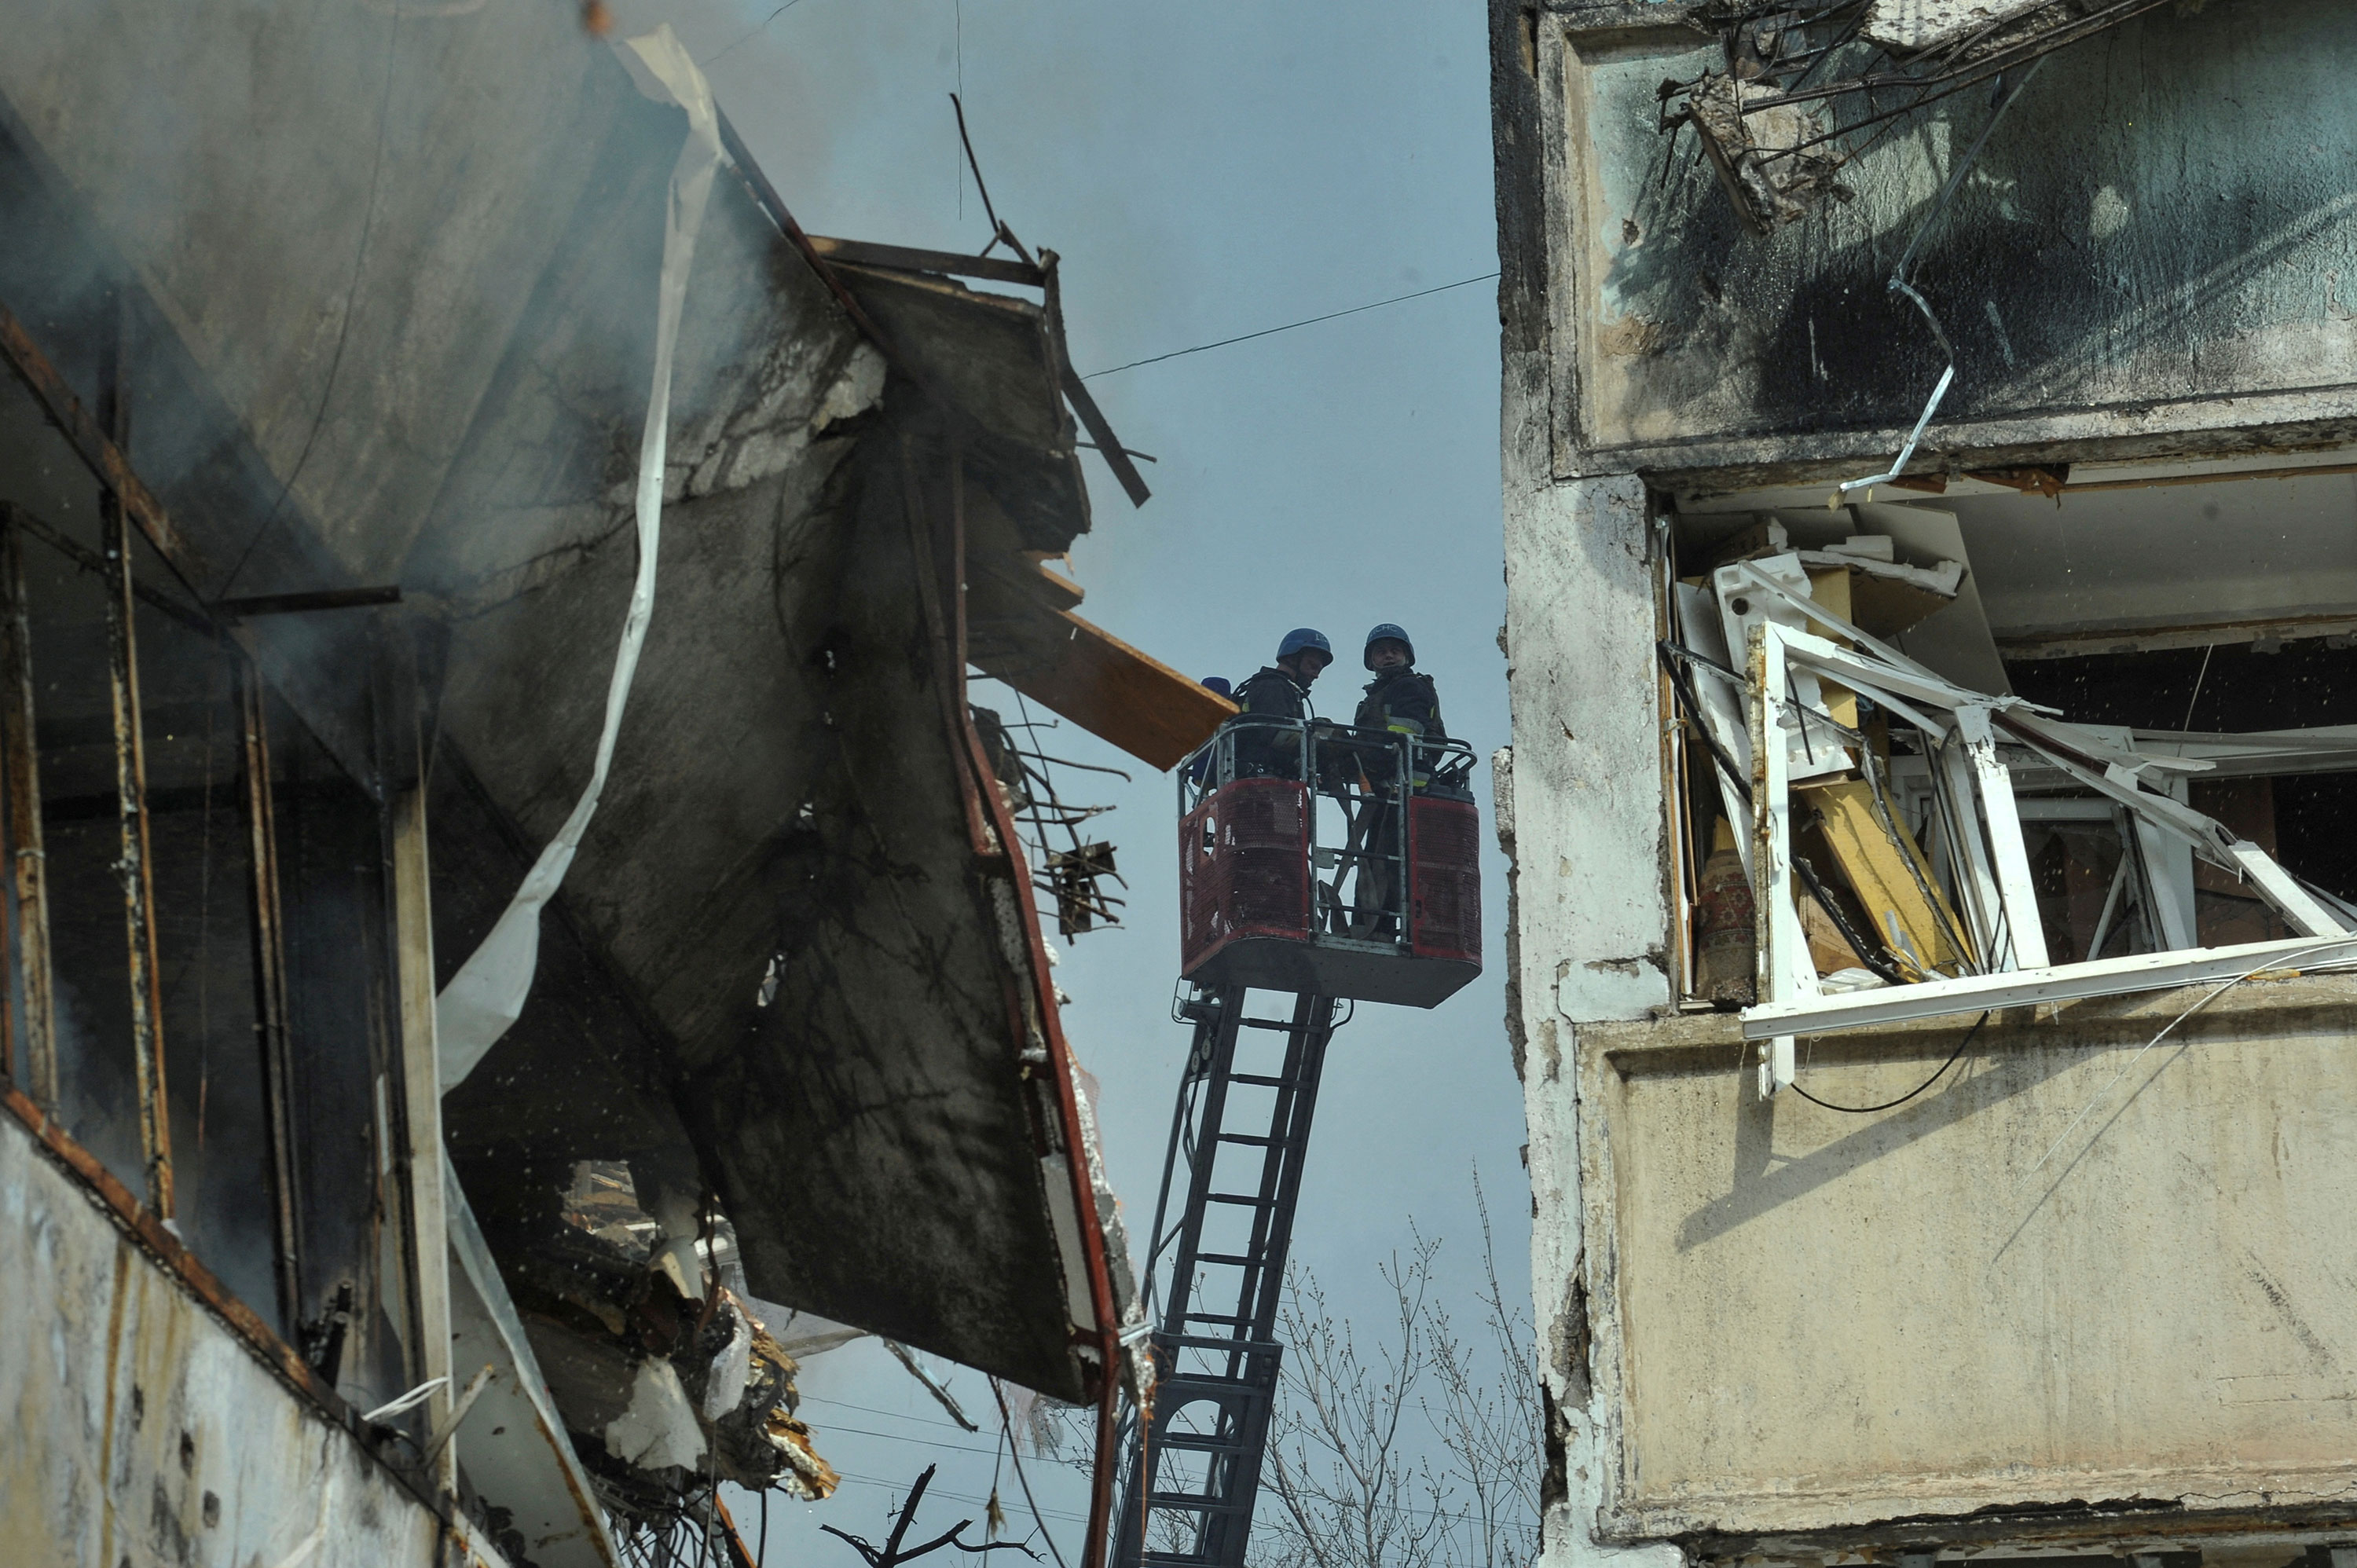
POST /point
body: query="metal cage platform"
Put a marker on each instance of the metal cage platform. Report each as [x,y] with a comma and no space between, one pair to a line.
[1339,862]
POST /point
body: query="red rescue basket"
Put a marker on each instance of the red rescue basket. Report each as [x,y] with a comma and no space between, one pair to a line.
[1315,857]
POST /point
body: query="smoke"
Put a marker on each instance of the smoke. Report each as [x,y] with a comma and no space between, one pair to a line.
[332,223]
[846,106]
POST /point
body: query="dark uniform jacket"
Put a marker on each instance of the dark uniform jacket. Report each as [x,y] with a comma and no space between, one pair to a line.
[1269,751]
[1404,703]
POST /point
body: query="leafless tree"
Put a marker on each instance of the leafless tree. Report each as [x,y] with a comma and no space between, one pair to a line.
[1421,1450]
[1489,1425]
[1353,1468]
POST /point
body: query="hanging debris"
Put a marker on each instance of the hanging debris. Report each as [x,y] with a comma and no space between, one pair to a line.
[663,1390]
[1883,807]
[1760,161]
[1075,876]
[1078,877]
[1805,92]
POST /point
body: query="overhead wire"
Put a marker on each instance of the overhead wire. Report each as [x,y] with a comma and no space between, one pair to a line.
[344,324]
[2273,961]
[877,1410]
[748,38]
[895,1488]
[1290,326]
[1016,1453]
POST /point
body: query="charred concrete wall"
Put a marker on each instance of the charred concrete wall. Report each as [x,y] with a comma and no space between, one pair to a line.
[143,1430]
[2159,240]
[347,273]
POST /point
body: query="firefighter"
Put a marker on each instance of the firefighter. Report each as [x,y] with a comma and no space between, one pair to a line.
[1279,691]
[1400,698]
[1399,701]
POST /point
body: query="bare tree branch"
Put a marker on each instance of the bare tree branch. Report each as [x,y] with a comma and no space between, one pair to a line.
[890,1555]
[1357,1484]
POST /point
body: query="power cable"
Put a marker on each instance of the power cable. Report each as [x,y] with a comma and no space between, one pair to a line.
[876,1410]
[2199,676]
[748,38]
[901,1487]
[1898,283]
[2272,961]
[1268,332]
[1888,1104]
[1068,1515]
[1015,1452]
[901,1437]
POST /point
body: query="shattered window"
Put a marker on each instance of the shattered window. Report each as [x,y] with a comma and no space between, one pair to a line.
[196,1021]
[2012,730]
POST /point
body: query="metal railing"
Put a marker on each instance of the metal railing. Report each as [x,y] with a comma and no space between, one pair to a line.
[1360,782]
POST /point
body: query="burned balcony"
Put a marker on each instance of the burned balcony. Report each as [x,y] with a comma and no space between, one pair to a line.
[335,661]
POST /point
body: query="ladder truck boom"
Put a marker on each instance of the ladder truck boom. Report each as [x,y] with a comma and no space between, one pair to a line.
[1329,866]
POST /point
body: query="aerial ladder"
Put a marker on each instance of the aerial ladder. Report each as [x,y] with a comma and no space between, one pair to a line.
[1319,867]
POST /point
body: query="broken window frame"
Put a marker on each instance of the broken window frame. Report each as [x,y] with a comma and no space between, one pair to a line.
[1791,1002]
[406,1188]
[30,970]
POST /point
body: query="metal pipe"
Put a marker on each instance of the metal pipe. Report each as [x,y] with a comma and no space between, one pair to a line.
[97,444]
[134,869]
[269,999]
[21,781]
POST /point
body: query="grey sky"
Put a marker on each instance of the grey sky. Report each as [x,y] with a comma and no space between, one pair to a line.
[1205,171]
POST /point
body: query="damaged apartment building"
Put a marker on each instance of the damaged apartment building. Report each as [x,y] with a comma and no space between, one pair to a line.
[514,929]
[1930,449]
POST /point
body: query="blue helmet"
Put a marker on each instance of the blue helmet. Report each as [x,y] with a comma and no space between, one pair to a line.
[1387,632]
[1302,637]
[1218,683]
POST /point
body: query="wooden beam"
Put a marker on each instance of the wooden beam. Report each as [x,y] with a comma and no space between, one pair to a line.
[400,744]
[270,1001]
[422,1104]
[1889,878]
[1112,690]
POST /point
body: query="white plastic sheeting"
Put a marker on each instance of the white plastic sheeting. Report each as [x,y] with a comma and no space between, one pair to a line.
[513,1440]
[487,995]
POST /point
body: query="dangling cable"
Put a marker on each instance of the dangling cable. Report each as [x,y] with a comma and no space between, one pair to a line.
[1899,285]
[1890,1104]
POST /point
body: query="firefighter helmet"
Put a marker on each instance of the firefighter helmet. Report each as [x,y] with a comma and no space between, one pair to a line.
[1387,632]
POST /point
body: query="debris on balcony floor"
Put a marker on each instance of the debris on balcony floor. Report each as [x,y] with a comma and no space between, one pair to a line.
[1915,845]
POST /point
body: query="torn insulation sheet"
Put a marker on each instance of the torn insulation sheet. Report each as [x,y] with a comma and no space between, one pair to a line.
[487,995]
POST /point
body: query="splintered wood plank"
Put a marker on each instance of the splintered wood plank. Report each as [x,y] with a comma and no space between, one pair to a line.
[1831,589]
[1112,690]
